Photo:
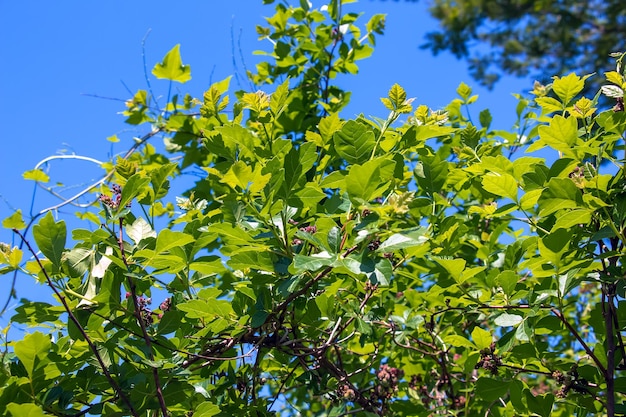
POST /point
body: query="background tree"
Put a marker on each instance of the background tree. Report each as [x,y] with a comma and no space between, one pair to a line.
[419,264]
[528,37]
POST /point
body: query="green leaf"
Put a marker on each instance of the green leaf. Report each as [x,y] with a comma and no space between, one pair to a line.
[308,196]
[25,410]
[568,87]
[458,341]
[253,259]
[10,256]
[36,175]
[431,174]
[490,389]
[561,193]
[297,163]
[133,187]
[454,266]
[507,280]
[14,221]
[402,241]
[524,332]
[464,91]
[377,272]
[573,218]
[501,185]
[506,320]
[482,338]
[279,98]
[169,323]
[32,350]
[549,104]
[159,181]
[50,237]
[172,67]
[485,118]
[417,135]
[354,142]
[370,180]
[195,309]
[168,239]
[560,135]
[554,244]
[540,404]
[206,409]
[139,230]
[329,125]
[396,100]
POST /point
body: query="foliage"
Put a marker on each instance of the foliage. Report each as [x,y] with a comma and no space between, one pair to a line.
[420,264]
[528,37]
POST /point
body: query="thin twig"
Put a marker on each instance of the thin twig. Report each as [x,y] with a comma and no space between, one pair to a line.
[141,321]
[575,333]
[82,331]
[139,142]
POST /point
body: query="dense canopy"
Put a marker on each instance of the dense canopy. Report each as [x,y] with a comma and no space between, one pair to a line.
[422,264]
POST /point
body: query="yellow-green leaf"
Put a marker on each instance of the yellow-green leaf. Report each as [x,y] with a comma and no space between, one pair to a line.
[560,135]
[482,338]
[501,185]
[172,67]
[36,175]
[14,221]
[567,87]
[31,350]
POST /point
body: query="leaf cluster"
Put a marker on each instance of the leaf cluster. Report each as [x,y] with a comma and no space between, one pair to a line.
[419,264]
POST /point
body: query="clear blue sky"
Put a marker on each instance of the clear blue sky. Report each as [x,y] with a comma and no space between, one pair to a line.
[55,54]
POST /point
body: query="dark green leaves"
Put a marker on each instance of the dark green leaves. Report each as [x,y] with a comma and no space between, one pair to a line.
[431,173]
[416,266]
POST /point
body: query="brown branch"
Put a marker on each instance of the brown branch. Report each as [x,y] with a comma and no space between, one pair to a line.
[309,284]
[608,311]
[575,333]
[141,321]
[342,377]
[82,331]
[282,385]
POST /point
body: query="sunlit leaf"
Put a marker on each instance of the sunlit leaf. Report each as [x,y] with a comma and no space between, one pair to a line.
[172,67]
[14,221]
[36,175]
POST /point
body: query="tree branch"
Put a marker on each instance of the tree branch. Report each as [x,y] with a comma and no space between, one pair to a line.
[82,331]
[575,333]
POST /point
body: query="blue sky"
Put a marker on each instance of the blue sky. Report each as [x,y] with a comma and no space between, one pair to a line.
[58,55]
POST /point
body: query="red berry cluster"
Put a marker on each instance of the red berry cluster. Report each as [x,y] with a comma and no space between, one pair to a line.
[346,392]
[306,229]
[416,384]
[489,360]
[114,200]
[374,244]
[144,311]
[388,380]
[570,381]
